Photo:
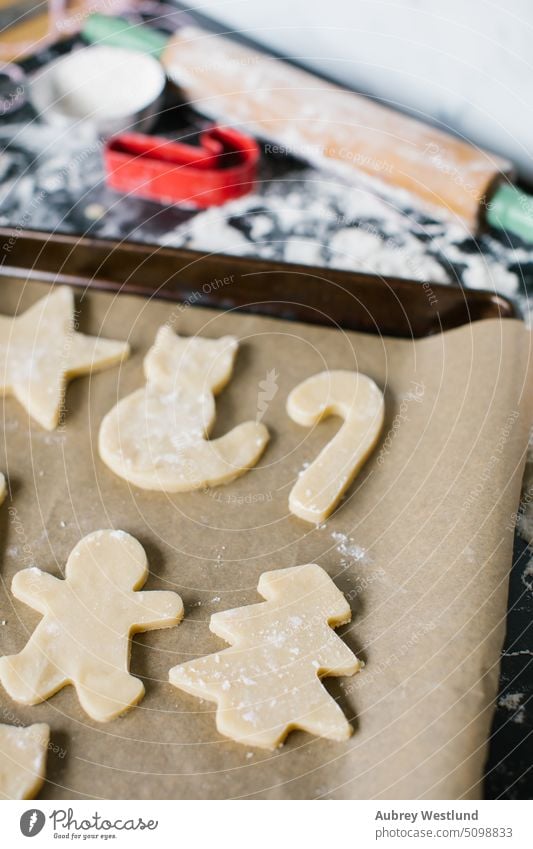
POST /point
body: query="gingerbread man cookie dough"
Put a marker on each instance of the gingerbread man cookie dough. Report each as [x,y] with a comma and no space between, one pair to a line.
[268,682]
[84,638]
[41,350]
[22,760]
[358,400]
[156,437]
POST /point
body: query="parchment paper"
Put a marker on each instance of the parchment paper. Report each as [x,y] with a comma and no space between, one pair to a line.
[421,546]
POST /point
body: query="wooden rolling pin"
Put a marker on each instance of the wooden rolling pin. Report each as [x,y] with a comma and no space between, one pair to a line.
[327,125]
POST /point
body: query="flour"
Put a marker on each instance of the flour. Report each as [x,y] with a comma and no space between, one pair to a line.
[222,237]
[350,551]
[513,702]
[103,82]
[311,218]
[527,576]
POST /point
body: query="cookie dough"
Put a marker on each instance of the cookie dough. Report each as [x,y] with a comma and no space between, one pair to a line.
[268,682]
[41,350]
[358,400]
[84,637]
[22,760]
[156,437]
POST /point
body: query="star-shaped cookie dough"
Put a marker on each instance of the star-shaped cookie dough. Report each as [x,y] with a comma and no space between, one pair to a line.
[41,350]
[22,760]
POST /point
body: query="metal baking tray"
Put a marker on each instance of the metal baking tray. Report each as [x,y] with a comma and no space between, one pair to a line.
[349,300]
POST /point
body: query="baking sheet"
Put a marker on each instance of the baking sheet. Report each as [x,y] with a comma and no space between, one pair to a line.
[421,546]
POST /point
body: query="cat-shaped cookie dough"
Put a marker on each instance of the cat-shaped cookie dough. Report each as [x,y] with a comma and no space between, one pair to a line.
[156,438]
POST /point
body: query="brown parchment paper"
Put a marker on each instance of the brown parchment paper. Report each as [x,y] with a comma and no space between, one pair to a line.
[421,546]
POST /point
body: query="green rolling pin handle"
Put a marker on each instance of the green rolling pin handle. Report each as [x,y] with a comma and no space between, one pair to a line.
[512,210]
[104,29]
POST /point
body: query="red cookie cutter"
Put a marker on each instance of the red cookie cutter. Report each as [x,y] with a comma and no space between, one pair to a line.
[223,167]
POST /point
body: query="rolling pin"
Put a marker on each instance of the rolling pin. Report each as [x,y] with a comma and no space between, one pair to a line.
[303,115]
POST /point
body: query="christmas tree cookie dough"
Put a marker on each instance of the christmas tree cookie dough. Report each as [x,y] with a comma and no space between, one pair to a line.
[22,760]
[156,437]
[84,637]
[358,400]
[40,351]
[268,682]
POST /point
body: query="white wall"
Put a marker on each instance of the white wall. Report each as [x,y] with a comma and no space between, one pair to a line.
[465,63]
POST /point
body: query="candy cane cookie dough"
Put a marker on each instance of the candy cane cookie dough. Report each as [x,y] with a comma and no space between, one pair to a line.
[156,438]
[357,399]
[22,760]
